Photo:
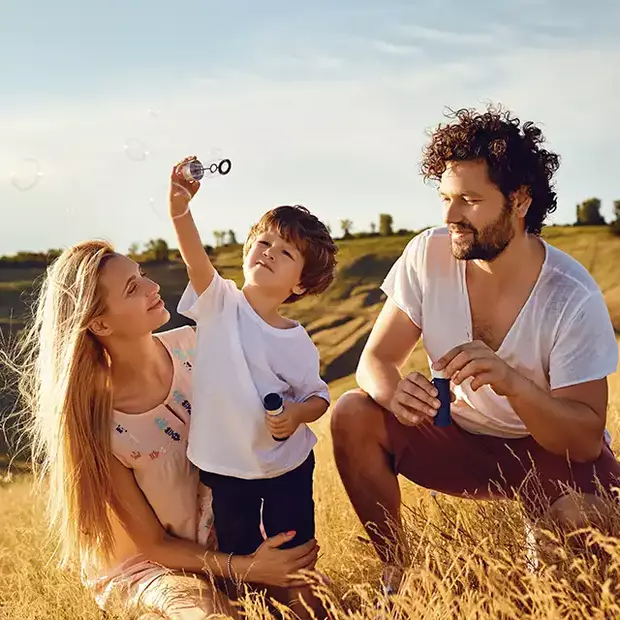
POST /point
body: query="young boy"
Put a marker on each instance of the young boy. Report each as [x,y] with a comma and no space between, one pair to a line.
[246,350]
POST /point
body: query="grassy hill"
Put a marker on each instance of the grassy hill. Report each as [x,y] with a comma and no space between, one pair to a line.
[470,560]
[340,320]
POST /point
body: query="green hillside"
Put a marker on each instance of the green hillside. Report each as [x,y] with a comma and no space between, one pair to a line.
[340,320]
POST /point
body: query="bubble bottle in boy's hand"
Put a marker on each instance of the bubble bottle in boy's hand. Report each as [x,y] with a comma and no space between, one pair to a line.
[194,170]
[274,407]
[442,417]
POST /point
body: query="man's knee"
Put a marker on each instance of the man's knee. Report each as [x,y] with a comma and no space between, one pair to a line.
[356,417]
[576,511]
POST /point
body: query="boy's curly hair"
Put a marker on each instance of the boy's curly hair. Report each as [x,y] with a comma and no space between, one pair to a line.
[513,154]
[310,236]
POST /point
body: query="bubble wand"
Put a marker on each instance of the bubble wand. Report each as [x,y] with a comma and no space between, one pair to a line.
[194,170]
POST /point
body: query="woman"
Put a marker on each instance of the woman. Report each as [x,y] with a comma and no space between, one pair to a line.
[111,407]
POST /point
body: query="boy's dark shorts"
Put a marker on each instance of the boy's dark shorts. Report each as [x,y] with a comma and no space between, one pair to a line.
[286,503]
[454,461]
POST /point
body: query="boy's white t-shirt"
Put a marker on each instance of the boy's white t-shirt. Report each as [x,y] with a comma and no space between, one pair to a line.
[239,359]
[563,335]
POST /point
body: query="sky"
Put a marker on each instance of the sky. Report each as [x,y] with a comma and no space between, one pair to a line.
[323,103]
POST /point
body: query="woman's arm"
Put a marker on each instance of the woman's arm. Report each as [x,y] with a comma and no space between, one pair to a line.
[267,565]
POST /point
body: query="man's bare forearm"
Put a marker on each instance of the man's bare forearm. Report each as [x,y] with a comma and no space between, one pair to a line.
[379,379]
[559,425]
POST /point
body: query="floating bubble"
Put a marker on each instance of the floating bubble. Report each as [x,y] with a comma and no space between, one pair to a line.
[26,174]
[212,164]
[136,150]
[215,154]
[158,207]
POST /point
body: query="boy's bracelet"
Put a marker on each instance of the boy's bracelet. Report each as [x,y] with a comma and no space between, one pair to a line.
[180,215]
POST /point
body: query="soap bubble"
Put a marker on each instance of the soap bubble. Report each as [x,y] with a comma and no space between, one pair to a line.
[136,150]
[211,162]
[26,174]
[159,208]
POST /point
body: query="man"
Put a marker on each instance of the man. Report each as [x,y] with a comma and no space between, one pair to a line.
[519,327]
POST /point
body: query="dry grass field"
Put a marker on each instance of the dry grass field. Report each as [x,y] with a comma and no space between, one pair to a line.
[469,558]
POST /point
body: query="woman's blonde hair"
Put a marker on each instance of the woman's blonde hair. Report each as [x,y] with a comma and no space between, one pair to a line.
[65,385]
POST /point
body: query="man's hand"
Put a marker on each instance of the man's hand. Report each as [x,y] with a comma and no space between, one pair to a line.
[285,424]
[181,189]
[415,400]
[475,359]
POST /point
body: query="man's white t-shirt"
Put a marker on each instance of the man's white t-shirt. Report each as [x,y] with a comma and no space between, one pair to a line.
[563,335]
[239,359]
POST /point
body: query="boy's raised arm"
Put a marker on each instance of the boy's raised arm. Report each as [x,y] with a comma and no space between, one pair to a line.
[199,267]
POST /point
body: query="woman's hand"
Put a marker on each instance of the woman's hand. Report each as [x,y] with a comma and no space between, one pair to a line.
[271,566]
[182,190]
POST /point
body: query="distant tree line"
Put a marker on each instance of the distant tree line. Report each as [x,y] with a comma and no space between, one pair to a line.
[588,213]
[225,238]
[30,259]
[386,228]
[158,251]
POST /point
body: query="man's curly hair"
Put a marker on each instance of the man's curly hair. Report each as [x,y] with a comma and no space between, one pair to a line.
[512,152]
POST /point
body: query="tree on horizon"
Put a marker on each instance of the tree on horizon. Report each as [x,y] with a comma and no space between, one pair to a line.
[219,235]
[158,250]
[615,225]
[589,213]
[386,222]
[134,250]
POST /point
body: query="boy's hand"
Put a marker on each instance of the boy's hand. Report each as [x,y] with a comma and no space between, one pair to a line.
[287,422]
[181,189]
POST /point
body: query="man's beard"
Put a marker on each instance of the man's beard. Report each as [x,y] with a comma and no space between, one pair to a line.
[484,244]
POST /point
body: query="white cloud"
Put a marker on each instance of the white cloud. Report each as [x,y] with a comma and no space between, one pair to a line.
[345,146]
[397,49]
[489,35]
[573,89]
